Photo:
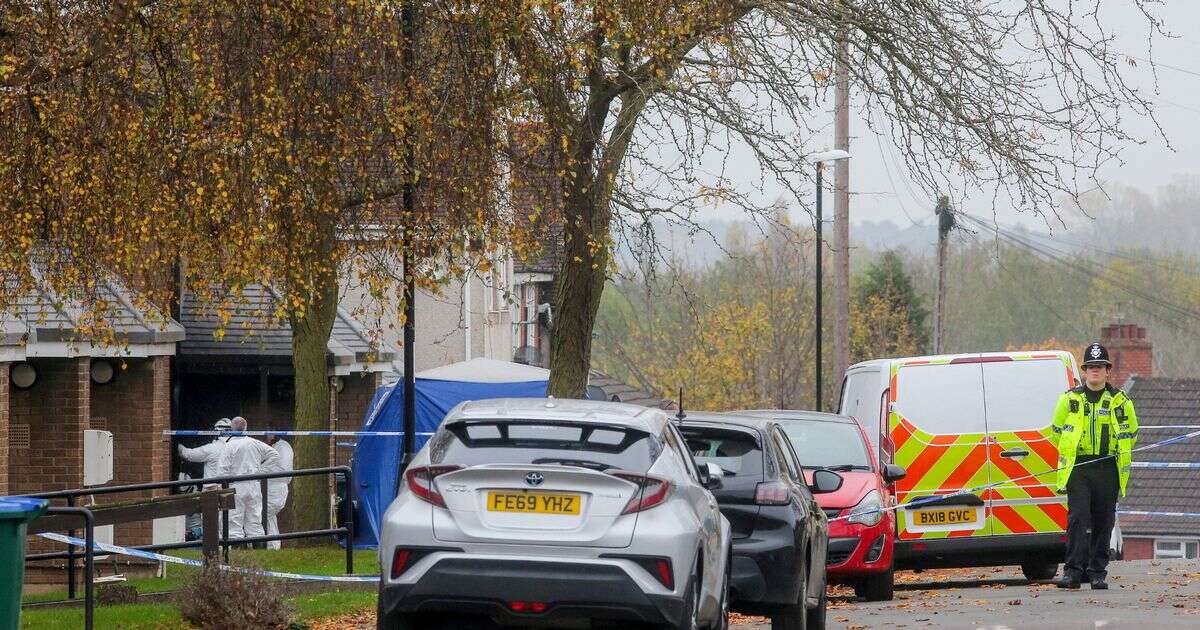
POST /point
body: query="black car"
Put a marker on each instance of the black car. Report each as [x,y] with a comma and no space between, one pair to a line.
[780,536]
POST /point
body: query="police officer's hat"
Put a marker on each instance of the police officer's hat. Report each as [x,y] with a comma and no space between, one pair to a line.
[222,425]
[1096,354]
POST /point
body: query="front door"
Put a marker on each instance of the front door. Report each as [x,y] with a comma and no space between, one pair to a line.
[938,429]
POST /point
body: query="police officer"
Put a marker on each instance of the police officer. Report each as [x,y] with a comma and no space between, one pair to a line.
[1095,428]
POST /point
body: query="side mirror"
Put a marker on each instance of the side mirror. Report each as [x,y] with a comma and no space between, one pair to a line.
[825,481]
[893,473]
[711,475]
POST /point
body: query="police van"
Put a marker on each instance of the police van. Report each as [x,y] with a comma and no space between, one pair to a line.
[975,422]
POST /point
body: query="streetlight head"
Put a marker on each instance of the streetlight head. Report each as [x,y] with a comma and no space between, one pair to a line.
[829,156]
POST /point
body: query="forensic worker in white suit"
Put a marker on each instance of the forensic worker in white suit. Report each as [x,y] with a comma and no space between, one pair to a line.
[277,489]
[245,455]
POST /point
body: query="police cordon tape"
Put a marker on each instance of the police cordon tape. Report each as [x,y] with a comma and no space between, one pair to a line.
[150,555]
[187,433]
[917,503]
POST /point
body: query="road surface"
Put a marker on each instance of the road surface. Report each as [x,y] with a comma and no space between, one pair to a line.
[1142,594]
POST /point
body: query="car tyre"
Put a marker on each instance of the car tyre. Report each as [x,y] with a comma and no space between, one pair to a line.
[722,621]
[1039,571]
[399,621]
[793,616]
[816,616]
[880,587]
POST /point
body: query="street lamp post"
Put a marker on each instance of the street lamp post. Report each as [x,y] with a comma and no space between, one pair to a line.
[819,159]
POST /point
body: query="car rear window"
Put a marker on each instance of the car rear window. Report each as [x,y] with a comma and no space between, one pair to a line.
[736,452]
[599,447]
[825,444]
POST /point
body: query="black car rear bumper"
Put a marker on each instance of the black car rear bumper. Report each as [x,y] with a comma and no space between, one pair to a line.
[765,567]
[987,551]
[570,591]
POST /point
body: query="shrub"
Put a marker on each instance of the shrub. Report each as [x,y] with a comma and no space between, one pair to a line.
[218,599]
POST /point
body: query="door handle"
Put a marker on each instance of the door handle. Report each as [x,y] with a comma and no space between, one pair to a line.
[1014,453]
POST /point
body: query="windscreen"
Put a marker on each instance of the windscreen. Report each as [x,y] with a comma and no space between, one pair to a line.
[736,452]
[827,444]
[594,446]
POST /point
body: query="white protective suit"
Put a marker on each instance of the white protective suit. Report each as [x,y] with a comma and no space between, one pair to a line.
[209,455]
[247,456]
[277,490]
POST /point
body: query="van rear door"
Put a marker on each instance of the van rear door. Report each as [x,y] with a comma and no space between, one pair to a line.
[1020,393]
[939,432]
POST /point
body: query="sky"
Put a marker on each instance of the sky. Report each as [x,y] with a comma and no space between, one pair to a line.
[882,190]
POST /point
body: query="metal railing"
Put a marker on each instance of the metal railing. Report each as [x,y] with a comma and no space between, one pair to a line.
[70,496]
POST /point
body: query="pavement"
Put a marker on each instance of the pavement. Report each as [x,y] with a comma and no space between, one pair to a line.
[1142,594]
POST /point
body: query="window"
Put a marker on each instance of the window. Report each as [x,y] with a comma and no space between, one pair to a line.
[787,457]
[1177,549]
[734,451]
[942,399]
[1040,383]
[599,447]
[861,399]
[821,444]
[676,442]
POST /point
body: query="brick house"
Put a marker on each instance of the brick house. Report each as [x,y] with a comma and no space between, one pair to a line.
[1159,401]
[55,384]
[247,370]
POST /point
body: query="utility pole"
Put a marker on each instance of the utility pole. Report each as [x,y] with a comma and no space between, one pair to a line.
[841,211]
[945,223]
[408,442]
[817,305]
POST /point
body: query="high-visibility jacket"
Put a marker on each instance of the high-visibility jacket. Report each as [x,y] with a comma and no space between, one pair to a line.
[1108,427]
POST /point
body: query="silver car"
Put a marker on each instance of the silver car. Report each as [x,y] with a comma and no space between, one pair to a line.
[544,512]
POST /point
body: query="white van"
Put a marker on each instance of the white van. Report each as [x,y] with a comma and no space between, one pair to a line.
[979,422]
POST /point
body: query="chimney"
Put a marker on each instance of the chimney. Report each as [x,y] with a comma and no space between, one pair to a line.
[1130,351]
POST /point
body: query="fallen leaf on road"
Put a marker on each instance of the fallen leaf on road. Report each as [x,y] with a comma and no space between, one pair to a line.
[1015,602]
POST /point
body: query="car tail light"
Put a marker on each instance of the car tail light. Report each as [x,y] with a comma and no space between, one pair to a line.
[420,480]
[651,491]
[772,493]
[536,608]
[662,571]
[400,562]
[658,567]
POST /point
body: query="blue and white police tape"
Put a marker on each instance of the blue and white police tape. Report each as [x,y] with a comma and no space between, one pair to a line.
[917,503]
[1145,513]
[1151,427]
[150,555]
[211,433]
[1162,465]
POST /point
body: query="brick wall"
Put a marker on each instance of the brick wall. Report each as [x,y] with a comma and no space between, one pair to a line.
[1130,352]
[135,408]
[352,405]
[1137,548]
[4,428]
[56,409]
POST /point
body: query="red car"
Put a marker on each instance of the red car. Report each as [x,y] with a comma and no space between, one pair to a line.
[860,546]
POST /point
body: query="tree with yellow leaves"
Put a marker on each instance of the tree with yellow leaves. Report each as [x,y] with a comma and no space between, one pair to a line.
[248,142]
[645,100]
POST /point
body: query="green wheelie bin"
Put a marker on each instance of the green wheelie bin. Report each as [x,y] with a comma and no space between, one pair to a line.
[15,514]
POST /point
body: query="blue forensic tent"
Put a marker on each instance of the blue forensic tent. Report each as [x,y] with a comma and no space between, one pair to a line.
[377,458]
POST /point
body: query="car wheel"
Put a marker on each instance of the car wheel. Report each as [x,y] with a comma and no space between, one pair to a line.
[399,621]
[816,616]
[880,587]
[1039,571]
[691,605]
[793,616]
[722,621]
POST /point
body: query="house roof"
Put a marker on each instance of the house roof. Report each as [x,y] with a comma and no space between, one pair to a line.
[249,327]
[46,324]
[1164,401]
[618,391]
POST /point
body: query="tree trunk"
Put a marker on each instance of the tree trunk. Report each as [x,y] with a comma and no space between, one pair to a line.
[580,284]
[308,504]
